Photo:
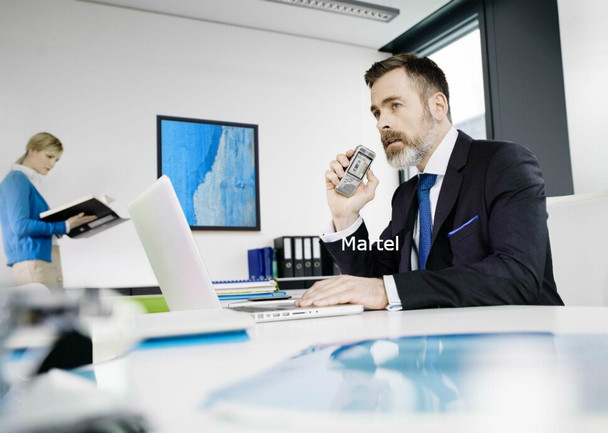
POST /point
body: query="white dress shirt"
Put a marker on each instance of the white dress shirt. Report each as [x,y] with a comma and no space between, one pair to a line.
[437,164]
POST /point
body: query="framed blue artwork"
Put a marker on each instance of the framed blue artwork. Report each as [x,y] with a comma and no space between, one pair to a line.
[213,166]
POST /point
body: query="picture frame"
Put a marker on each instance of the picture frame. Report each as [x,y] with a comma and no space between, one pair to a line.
[214,168]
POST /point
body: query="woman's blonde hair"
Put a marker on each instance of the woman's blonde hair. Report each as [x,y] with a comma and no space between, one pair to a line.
[42,141]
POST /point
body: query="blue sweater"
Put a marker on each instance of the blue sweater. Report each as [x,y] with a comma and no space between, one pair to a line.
[24,235]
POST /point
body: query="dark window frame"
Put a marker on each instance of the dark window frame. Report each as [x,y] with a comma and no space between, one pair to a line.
[441,29]
[522,73]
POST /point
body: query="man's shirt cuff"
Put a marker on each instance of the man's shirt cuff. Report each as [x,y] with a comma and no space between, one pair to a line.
[394,302]
[331,235]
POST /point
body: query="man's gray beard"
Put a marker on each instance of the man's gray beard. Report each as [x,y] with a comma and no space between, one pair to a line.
[412,152]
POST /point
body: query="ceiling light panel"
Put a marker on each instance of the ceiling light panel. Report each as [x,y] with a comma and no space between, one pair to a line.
[347,7]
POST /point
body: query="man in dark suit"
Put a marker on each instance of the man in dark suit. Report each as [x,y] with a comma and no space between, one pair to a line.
[470,229]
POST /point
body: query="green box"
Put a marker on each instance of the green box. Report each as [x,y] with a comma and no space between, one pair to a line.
[152,303]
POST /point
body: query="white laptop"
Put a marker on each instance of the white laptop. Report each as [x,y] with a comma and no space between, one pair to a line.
[182,276]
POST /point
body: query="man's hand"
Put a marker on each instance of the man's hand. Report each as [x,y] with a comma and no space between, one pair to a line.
[345,210]
[346,289]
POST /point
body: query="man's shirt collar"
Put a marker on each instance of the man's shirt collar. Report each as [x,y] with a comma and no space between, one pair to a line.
[438,162]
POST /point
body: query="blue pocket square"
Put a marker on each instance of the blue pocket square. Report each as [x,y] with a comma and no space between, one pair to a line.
[476,217]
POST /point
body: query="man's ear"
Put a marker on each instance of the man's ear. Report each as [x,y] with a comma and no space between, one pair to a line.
[438,106]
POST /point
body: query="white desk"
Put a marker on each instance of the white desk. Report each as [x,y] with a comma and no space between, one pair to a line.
[170,385]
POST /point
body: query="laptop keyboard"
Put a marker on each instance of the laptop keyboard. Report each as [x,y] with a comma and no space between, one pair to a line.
[261,308]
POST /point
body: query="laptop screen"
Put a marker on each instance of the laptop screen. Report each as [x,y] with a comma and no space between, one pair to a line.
[166,237]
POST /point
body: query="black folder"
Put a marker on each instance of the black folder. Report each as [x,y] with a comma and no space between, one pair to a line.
[307,255]
[317,268]
[298,257]
[284,254]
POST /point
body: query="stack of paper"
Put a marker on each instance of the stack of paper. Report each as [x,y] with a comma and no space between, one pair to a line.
[245,287]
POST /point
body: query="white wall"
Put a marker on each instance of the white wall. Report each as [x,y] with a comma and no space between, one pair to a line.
[584,32]
[97,76]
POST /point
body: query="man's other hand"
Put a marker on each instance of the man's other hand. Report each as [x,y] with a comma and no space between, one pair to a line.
[346,289]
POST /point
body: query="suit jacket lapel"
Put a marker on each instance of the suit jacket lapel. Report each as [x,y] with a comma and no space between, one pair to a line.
[411,204]
[451,182]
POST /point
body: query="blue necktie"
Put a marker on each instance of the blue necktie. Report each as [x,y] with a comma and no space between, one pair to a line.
[425,182]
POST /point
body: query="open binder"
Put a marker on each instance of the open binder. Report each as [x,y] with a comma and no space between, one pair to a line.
[90,205]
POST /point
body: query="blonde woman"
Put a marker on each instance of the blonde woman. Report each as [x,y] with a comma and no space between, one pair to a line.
[29,243]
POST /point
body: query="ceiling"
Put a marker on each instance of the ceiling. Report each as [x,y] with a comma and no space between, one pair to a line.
[276,17]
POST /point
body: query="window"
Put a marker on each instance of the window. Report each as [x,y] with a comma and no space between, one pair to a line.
[460,59]
[458,52]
